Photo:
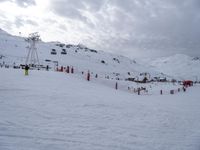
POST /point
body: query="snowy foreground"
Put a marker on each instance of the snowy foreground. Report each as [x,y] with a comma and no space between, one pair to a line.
[56,111]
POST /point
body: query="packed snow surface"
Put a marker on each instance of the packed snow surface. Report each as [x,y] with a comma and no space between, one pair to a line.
[59,111]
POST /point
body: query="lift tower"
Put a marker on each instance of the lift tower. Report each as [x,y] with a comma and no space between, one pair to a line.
[32,57]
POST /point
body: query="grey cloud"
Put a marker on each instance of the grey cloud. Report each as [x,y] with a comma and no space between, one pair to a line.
[73,9]
[67,8]
[21,3]
[20,22]
[25,3]
[63,27]
[4,1]
[51,21]
[141,26]
[31,22]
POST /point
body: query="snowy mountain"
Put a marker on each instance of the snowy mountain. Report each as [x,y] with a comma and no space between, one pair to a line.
[56,110]
[179,65]
[13,50]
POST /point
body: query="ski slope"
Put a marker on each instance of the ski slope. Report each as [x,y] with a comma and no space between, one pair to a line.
[179,66]
[58,111]
[14,49]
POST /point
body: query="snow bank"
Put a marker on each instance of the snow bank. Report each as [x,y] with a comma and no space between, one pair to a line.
[51,110]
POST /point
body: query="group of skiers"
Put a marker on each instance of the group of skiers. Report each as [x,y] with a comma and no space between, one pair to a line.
[67,69]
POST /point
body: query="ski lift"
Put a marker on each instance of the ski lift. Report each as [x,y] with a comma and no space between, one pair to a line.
[53,52]
[63,52]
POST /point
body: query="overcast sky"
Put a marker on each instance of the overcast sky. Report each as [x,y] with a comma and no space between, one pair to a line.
[135,28]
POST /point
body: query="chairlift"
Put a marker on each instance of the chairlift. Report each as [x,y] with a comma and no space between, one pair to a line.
[53,52]
[63,52]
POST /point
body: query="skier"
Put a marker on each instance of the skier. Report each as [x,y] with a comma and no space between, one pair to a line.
[88,76]
[61,69]
[72,70]
[184,89]
[138,91]
[26,70]
[47,67]
[67,69]
[116,85]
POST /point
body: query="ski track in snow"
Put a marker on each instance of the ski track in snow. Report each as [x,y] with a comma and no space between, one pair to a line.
[50,110]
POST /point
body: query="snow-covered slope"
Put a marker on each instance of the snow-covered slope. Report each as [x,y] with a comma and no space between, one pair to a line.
[55,111]
[14,49]
[179,65]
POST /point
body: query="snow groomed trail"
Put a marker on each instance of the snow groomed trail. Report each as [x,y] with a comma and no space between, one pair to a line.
[56,111]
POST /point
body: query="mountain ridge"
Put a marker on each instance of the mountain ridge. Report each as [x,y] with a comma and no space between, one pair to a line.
[14,49]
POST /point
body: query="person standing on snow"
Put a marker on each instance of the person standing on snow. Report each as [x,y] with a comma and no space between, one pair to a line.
[26,70]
